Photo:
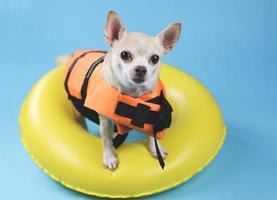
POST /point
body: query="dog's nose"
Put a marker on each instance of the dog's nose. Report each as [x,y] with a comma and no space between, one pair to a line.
[140,71]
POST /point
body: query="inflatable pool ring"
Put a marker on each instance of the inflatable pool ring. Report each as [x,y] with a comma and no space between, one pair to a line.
[56,137]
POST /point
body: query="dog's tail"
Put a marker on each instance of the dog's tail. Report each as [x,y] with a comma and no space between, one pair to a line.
[62,59]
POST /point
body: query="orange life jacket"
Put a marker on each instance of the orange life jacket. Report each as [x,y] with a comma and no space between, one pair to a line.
[91,94]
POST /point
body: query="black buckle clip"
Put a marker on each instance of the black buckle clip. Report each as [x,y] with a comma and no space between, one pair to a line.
[164,120]
[140,113]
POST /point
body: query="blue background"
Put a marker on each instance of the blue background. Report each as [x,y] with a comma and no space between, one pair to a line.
[230,46]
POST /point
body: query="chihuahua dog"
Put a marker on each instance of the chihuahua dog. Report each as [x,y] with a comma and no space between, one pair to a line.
[132,66]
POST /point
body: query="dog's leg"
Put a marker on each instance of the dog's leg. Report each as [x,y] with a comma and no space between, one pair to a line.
[106,132]
[152,149]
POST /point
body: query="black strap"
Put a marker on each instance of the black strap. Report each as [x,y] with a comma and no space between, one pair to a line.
[139,114]
[87,77]
[165,116]
[163,122]
[86,112]
[159,156]
[119,139]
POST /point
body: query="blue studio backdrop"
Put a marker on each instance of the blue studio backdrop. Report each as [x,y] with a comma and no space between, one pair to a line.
[230,46]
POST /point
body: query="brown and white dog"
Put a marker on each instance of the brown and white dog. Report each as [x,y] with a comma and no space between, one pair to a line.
[132,66]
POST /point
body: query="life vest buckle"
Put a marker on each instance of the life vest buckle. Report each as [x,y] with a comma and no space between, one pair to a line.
[165,117]
[141,112]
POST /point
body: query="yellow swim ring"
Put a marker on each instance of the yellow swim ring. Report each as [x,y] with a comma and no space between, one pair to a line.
[54,135]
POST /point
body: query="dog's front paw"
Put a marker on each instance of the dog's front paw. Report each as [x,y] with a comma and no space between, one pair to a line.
[110,161]
[152,149]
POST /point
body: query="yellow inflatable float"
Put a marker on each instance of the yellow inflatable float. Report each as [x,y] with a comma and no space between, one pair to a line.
[55,136]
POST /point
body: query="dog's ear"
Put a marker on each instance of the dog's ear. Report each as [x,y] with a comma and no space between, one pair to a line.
[114,28]
[169,36]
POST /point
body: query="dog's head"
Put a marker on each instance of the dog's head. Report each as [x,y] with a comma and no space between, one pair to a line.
[135,57]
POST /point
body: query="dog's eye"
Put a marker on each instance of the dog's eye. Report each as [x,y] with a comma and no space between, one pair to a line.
[126,56]
[154,59]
